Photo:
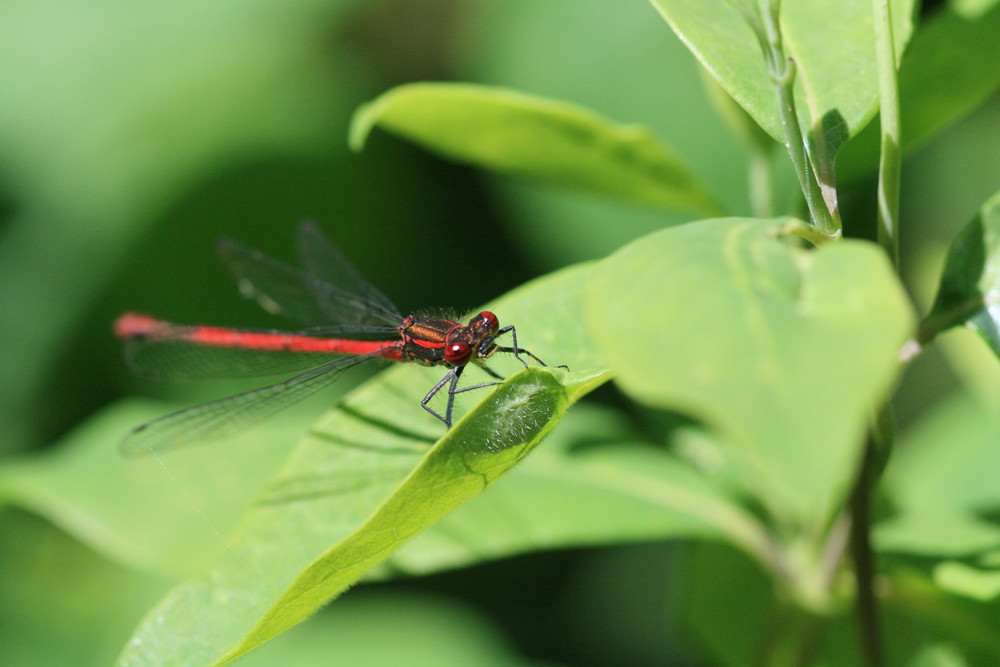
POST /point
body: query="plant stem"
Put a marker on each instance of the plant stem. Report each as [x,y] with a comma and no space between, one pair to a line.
[889,161]
[866,605]
[782,72]
[804,230]
[866,601]
[880,441]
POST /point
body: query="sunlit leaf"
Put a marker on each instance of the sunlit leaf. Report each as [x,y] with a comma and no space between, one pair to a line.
[782,350]
[539,138]
[271,570]
[367,478]
[589,484]
[832,45]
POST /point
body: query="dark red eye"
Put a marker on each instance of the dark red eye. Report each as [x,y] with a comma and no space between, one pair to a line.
[457,354]
[490,319]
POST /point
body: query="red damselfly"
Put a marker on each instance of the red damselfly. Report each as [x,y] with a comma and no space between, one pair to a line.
[350,321]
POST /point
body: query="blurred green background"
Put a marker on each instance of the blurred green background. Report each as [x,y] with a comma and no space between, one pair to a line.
[132,135]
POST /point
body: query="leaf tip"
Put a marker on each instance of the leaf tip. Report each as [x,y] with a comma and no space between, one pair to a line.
[361,126]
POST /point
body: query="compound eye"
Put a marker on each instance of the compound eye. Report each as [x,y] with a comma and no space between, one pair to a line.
[458,353]
[490,319]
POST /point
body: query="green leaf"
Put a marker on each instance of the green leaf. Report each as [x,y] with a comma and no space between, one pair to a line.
[781,350]
[551,141]
[367,478]
[971,9]
[591,483]
[969,292]
[529,54]
[832,45]
[981,584]
[161,516]
[274,569]
[942,485]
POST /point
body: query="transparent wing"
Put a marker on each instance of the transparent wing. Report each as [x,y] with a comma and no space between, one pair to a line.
[322,260]
[304,297]
[229,416]
[163,360]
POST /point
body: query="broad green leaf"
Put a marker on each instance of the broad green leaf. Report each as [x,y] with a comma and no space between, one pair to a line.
[322,528]
[942,485]
[165,516]
[949,69]
[367,478]
[783,351]
[168,515]
[538,138]
[529,53]
[970,285]
[832,45]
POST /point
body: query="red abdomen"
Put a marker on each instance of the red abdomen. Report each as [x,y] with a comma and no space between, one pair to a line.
[135,326]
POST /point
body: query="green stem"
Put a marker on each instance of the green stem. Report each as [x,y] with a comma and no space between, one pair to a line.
[866,604]
[889,161]
[782,72]
[866,600]
[804,230]
[879,444]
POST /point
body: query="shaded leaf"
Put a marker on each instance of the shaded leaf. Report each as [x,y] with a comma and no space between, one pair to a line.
[528,54]
[969,292]
[942,485]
